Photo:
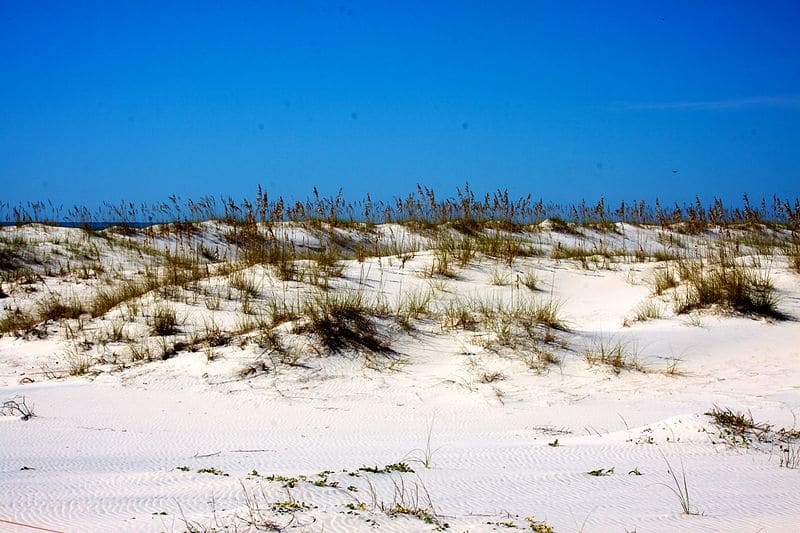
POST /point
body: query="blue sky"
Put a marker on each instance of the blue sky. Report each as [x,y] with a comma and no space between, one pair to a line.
[139,100]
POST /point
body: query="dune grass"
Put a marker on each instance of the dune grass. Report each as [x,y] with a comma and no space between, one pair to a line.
[730,287]
[265,262]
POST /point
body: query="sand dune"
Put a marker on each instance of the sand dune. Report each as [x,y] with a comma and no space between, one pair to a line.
[489,435]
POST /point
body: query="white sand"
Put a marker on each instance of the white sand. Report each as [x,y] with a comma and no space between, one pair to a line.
[103,452]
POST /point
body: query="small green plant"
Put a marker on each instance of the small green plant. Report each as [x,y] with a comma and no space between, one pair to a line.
[538,526]
[289,507]
[287,481]
[321,480]
[646,437]
[355,507]
[426,515]
[395,467]
[407,501]
[212,471]
[602,472]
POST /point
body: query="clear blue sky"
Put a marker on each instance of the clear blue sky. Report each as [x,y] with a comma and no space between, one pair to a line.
[137,100]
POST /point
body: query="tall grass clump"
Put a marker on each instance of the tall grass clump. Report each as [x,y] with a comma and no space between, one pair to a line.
[9,258]
[164,320]
[17,322]
[322,265]
[648,310]
[731,287]
[616,355]
[456,314]
[341,321]
[445,248]
[499,277]
[257,248]
[108,298]
[502,245]
[792,251]
[525,326]
[663,280]
[530,280]
[54,308]
[245,284]
[50,309]
[413,303]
